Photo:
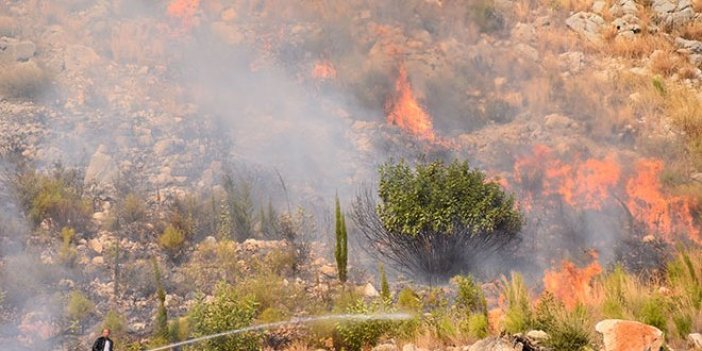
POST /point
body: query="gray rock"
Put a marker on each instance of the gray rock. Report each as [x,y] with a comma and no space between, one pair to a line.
[693,46]
[587,24]
[598,7]
[385,347]
[627,25]
[496,343]
[409,347]
[538,336]
[102,168]
[694,341]
[673,12]
[370,291]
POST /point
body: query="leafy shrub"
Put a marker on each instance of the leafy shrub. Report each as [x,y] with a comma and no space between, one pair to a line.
[115,322]
[269,291]
[408,299]
[437,219]
[67,253]
[79,306]
[355,335]
[172,239]
[132,208]
[470,296]
[226,311]
[654,311]
[56,196]
[478,326]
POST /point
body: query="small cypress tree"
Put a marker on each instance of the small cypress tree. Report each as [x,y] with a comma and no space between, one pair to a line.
[161,328]
[384,286]
[341,252]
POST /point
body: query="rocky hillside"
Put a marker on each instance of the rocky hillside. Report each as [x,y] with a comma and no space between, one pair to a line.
[151,146]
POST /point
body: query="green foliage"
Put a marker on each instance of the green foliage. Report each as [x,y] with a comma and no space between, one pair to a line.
[409,300]
[115,322]
[131,209]
[269,222]
[518,317]
[341,251]
[67,253]
[478,326]
[571,330]
[654,312]
[470,296]
[437,197]
[79,306]
[615,287]
[161,325]
[226,311]
[56,196]
[270,291]
[240,206]
[659,86]
[384,286]
[682,320]
[683,274]
[273,314]
[172,239]
[355,335]
[547,310]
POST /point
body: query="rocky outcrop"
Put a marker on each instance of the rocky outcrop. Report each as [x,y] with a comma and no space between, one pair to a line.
[623,335]
[102,168]
[673,13]
[587,24]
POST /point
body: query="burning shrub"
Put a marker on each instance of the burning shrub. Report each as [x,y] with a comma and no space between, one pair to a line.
[436,220]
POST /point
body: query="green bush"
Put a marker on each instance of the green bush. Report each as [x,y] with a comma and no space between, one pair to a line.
[341,248]
[437,219]
[56,196]
[115,322]
[355,335]
[654,311]
[478,326]
[571,331]
[172,239]
[132,208]
[79,306]
[409,300]
[470,296]
[270,291]
[227,311]
[518,317]
[67,253]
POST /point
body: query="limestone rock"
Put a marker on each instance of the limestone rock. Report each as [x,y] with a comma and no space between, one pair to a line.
[24,50]
[694,341]
[673,12]
[623,335]
[385,347]
[538,336]
[496,343]
[98,261]
[370,291]
[102,168]
[95,245]
[587,24]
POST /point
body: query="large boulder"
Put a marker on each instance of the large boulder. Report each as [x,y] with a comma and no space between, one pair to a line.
[694,341]
[587,24]
[673,12]
[623,335]
[102,168]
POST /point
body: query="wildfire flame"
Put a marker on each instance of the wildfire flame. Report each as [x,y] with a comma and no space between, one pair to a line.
[592,183]
[661,214]
[405,111]
[184,10]
[580,184]
[571,284]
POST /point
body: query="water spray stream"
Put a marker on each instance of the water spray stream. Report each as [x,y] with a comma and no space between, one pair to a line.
[348,317]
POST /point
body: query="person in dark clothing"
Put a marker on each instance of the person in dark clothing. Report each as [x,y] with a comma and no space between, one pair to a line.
[104,343]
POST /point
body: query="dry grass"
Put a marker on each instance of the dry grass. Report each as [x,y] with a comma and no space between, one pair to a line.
[692,30]
[666,63]
[24,80]
[136,42]
[638,47]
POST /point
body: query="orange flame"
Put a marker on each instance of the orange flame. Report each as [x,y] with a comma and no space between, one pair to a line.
[184,10]
[580,184]
[571,284]
[661,214]
[405,111]
[323,70]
